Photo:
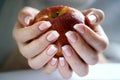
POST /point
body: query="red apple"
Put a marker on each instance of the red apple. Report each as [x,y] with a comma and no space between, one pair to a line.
[62,18]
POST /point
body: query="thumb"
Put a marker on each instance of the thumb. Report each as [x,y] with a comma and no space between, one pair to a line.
[26,15]
[93,17]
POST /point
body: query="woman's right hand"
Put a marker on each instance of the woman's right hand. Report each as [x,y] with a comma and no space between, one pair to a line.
[35,42]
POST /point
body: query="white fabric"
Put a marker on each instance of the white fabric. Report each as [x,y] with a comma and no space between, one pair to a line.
[97,72]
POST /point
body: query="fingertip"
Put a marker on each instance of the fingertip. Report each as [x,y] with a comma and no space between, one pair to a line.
[52,50]
[32,65]
[62,61]
[94,17]
[79,28]
[26,15]
[27,20]
[64,68]
[51,66]
[52,36]
[67,50]
[54,61]
[45,25]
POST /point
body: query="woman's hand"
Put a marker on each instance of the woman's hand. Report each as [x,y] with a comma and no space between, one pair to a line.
[34,42]
[85,43]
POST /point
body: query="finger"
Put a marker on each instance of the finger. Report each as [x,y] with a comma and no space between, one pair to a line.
[31,32]
[38,45]
[93,17]
[87,53]
[97,39]
[26,15]
[64,68]
[41,59]
[75,62]
[51,66]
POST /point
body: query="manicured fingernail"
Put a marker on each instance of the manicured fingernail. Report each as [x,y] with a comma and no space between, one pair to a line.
[71,36]
[52,50]
[92,18]
[62,61]
[67,51]
[45,25]
[53,36]
[27,20]
[53,61]
[79,28]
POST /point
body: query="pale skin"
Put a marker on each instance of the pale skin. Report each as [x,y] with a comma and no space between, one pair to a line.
[35,44]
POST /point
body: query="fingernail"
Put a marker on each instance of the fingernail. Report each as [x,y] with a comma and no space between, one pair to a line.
[62,61]
[67,51]
[53,36]
[79,28]
[71,36]
[53,61]
[27,20]
[52,50]
[45,25]
[92,18]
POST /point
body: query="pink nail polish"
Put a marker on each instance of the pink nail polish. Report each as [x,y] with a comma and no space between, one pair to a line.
[51,50]
[71,36]
[92,18]
[45,25]
[62,61]
[53,61]
[67,51]
[79,28]
[27,20]
[53,36]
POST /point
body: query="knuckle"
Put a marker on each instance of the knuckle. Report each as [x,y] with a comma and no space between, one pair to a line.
[16,36]
[17,33]
[25,52]
[30,32]
[24,9]
[28,11]
[32,65]
[24,12]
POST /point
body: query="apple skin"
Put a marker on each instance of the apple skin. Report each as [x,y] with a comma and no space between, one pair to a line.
[62,18]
